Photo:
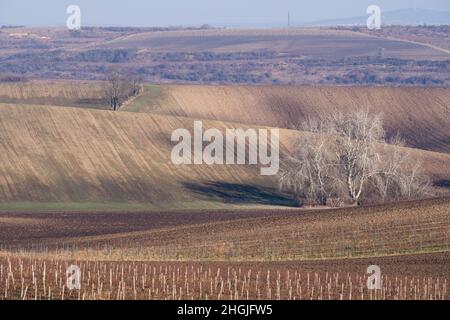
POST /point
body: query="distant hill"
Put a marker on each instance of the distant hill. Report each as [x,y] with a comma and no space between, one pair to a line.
[307,56]
[407,16]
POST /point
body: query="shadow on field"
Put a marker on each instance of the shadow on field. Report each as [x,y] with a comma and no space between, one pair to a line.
[442,184]
[240,193]
[95,103]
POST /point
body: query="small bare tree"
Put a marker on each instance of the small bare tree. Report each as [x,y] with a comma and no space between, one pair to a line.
[136,84]
[114,90]
[385,182]
[414,184]
[118,89]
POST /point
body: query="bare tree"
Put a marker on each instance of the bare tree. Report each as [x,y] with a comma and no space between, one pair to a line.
[385,182]
[414,184]
[119,89]
[310,173]
[114,90]
[345,156]
[357,135]
[136,84]
[400,177]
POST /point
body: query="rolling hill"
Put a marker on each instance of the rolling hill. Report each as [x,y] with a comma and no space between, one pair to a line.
[85,94]
[302,56]
[311,42]
[72,155]
[420,115]
[51,154]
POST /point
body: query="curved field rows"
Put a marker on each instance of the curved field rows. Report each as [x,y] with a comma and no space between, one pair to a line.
[421,115]
[88,94]
[50,154]
[270,235]
[68,154]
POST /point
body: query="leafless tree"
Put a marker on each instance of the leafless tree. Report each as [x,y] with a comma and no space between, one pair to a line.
[414,184]
[344,156]
[114,90]
[119,88]
[385,182]
[136,84]
[309,173]
[401,177]
[357,135]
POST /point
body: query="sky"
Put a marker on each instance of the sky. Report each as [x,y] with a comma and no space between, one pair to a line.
[147,13]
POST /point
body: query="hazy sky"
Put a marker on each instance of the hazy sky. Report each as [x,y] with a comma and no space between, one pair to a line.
[194,12]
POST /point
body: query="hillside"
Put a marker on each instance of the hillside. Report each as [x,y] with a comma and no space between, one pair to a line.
[421,116]
[85,94]
[296,41]
[51,154]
